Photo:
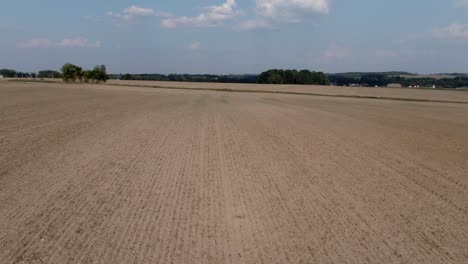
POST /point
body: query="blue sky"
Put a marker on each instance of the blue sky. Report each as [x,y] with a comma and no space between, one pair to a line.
[236,36]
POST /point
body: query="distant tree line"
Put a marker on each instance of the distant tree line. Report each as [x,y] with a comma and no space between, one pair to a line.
[221,78]
[381,79]
[74,73]
[8,73]
[70,72]
[49,74]
[276,76]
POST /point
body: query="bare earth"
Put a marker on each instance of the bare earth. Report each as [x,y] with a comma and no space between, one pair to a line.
[399,93]
[102,174]
[381,92]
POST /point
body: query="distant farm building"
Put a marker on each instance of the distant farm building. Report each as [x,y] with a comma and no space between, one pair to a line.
[394,85]
[1,76]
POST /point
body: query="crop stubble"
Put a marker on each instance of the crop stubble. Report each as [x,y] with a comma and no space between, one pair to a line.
[92,174]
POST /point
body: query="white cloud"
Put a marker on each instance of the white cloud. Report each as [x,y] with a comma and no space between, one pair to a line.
[270,12]
[169,23]
[274,8]
[133,12]
[139,11]
[195,46]
[386,53]
[452,31]
[337,52]
[65,43]
[253,24]
[78,43]
[214,16]
[35,43]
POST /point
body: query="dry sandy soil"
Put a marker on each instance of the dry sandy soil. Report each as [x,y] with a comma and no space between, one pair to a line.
[397,93]
[102,174]
[382,92]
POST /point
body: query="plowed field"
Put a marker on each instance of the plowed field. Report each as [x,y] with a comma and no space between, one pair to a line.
[103,174]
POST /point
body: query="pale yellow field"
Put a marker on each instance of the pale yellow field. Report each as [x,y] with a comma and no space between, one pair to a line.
[401,93]
[113,174]
[381,92]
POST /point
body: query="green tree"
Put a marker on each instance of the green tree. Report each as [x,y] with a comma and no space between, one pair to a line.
[375,79]
[99,73]
[71,72]
[290,76]
[49,74]
[305,77]
[275,78]
[88,75]
[127,76]
[7,73]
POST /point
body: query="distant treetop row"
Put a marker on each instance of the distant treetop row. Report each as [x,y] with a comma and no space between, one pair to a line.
[276,76]
[75,73]
[69,72]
